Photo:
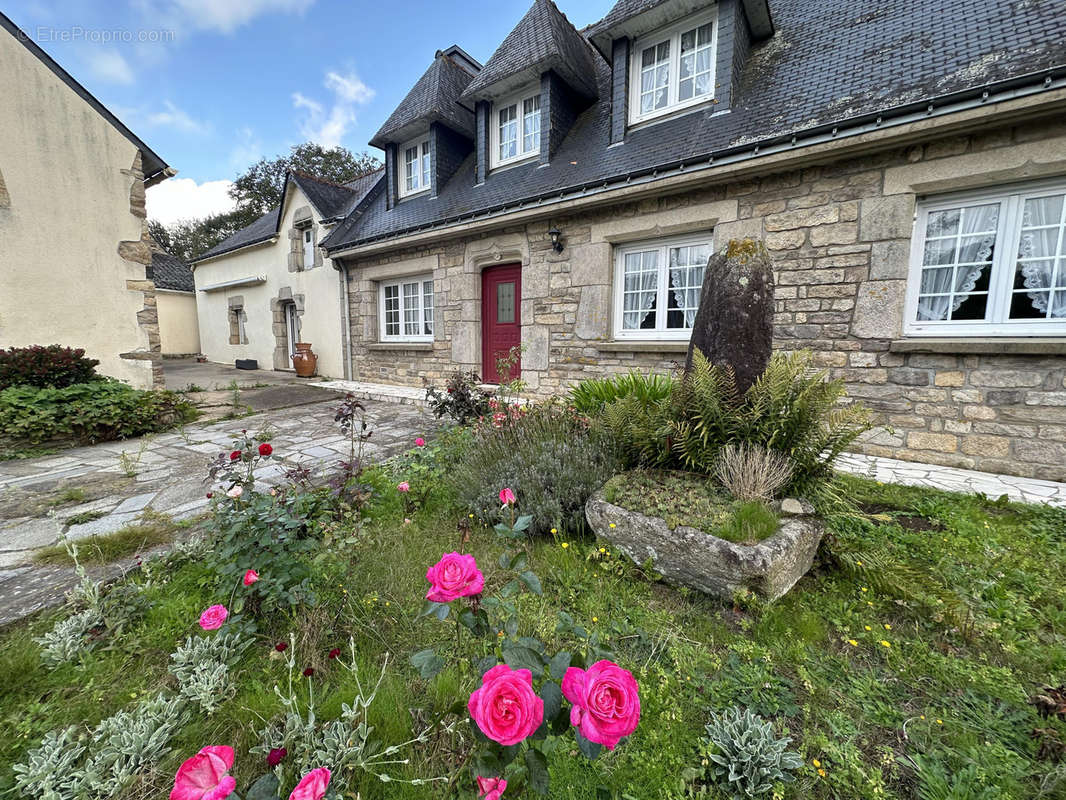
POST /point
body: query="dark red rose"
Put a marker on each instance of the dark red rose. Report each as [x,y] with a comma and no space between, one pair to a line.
[235,455]
[309,672]
[276,756]
[336,651]
[265,449]
[210,495]
[281,647]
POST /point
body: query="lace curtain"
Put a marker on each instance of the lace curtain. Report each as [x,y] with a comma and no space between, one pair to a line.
[1042,244]
[686,279]
[951,287]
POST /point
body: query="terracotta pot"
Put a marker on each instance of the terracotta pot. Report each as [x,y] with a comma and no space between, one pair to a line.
[304,360]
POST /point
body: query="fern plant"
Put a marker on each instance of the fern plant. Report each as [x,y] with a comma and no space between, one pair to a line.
[745,757]
[791,409]
[591,396]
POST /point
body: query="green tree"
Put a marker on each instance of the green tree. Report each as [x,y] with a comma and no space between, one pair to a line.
[258,188]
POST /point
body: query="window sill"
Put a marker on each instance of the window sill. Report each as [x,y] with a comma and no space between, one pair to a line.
[1028,346]
[386,346]
[642,346]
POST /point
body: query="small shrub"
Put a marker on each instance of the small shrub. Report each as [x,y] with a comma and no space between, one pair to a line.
[751,522]
[68,638]
[51,769]
[750,472]
[88,412]
[549,456]
[746,758]
[41,366]
[591,396]
[463,399]
[202,666]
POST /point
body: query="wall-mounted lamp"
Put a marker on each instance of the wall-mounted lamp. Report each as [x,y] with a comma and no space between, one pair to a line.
[557,243]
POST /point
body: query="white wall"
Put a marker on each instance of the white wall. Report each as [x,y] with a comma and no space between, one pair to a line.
[321,323]
[178,331]
[67,172]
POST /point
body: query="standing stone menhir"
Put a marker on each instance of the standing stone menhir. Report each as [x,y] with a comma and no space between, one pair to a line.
[734,326]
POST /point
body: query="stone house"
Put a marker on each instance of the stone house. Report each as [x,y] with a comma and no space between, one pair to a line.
[905,166]
[74,255]
[269,285]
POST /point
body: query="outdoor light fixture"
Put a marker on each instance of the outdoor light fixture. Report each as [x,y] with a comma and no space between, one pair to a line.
[557,244]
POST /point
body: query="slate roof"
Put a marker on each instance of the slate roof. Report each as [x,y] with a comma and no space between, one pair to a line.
[543,39]
[434,98]
[599,33]
[170,272]
[342,200]
[828,62]
[151,164]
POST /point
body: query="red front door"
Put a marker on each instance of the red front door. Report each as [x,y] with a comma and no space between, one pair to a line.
[501,323]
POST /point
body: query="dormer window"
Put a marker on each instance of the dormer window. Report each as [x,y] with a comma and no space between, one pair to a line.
[516,129]
[415,178]
[673,68]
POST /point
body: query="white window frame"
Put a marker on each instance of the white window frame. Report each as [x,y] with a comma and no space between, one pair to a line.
[671,34]
[1012,199]
[424,174]
[662,302]
[423,308]
[518,100]
[308,246]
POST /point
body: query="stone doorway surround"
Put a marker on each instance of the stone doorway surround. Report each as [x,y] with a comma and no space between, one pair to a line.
[281,328]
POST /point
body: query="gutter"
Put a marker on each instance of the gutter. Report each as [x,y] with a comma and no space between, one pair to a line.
[1014,88]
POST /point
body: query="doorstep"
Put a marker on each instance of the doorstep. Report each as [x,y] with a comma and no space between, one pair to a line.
[382,392]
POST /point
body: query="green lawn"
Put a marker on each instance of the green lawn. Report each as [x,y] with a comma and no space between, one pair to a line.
[901,665]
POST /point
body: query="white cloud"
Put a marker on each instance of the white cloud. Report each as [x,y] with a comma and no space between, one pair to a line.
[329,128]
[108,64]
[184,198]
[174,117]
[221,16]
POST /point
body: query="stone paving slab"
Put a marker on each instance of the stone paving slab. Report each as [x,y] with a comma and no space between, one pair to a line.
[968,481]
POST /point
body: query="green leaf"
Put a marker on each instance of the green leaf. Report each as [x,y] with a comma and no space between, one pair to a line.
[509,589]
[553,699]
[519,561]
[504,560]
[427,662]
[442,610]
[560,663]
[483,665]
[530,579]
[518,657]
[265,788]
[588,749]
[468,620]
[532,644]
[522,523]
[510,627]
[537,765]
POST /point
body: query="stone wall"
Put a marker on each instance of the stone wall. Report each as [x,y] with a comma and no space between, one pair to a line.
[839,235]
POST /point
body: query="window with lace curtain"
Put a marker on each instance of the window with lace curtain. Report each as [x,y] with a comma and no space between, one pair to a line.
[990,263]
[657,287]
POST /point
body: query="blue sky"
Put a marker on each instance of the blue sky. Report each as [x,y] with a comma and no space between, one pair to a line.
[213,85]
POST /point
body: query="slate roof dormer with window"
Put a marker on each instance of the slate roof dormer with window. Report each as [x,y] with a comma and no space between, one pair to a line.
[785,73]
[532,89]
[431,132]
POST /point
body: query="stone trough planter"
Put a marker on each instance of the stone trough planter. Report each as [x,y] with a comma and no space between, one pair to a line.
[689,557]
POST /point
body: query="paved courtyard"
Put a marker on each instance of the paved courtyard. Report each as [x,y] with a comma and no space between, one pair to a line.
[165,473]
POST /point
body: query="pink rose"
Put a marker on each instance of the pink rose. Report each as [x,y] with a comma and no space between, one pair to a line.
[454,576]
[312,786]
[403,487]
[235,492]
[606,703]
[203,777]
[505,707]
[420,442]
[213,617]
[250,577]
[490,788]
[506,497]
